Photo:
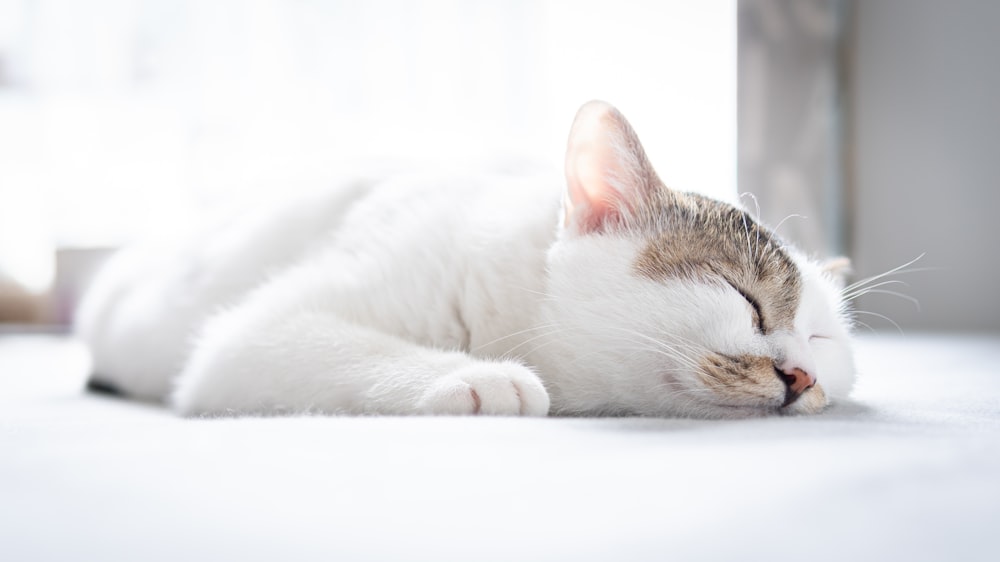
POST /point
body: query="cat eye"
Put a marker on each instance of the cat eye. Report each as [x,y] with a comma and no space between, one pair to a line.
[758,317]
[815,337]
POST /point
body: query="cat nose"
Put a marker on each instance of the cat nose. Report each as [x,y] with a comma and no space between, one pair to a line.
[796,382]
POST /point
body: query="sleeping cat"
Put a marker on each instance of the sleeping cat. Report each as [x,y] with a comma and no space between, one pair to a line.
[612,296]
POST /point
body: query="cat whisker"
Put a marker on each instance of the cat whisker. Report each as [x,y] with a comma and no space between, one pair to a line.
[860,323]
[646,343]
[583,357]
[674,386]
[915,302]
[755,202]
[642,348]
[686,343]
[882,316]
[510,352]
[782,221]
[757,217]
[746,229]
[517,333]
[673,354]
[533,291]
[872,284]
[900,269]
[661,345]
[684,360]
[863,290]
[537,348]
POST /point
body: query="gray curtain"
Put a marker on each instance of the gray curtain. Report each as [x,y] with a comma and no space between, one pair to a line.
[789,118]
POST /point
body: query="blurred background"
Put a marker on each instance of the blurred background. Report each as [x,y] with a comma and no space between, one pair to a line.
[867,129]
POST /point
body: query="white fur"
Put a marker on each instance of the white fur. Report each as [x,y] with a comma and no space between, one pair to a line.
[406,296]
[429,295]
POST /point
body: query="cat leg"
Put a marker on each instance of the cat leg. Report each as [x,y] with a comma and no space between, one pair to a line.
[250,361]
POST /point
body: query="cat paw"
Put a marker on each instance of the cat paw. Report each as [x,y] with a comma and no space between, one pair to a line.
[497,389]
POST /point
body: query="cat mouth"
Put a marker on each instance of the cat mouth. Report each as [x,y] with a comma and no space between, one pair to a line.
[812,401]
[743,411]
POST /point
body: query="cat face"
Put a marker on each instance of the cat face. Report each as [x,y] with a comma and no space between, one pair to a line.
[669,303]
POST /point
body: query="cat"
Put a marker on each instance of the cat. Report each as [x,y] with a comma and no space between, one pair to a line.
[612,295]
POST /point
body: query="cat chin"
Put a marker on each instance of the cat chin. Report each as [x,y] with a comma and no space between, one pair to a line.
[727,412]
[737,413]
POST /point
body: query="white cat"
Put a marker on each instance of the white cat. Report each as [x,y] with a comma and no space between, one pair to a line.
[613,296]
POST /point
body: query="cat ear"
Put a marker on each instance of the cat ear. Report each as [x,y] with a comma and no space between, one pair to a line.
[837,269]
[608,175]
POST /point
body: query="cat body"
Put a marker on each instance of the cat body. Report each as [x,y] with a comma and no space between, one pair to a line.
[610,295]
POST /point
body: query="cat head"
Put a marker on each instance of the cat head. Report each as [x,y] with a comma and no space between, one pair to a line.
[671,303]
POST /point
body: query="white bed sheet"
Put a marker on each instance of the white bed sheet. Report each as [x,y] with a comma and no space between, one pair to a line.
[910,470]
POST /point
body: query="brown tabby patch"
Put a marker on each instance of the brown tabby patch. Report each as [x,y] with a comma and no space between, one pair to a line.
[698,238]
[749,380]
[745,380]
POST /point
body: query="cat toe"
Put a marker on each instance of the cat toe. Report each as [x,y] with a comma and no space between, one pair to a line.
[502,389]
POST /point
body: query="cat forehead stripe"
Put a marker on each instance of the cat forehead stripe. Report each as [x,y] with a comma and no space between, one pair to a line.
[694,237]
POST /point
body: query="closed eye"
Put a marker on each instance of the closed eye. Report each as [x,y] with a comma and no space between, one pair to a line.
[817,337]
[758,316]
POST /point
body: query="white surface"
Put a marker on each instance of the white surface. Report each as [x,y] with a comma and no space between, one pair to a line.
[910,471]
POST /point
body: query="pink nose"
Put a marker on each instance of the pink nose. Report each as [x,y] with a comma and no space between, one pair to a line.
[797,380]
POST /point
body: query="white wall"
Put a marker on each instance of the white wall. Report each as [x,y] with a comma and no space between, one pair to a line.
[926,153]
[115,114]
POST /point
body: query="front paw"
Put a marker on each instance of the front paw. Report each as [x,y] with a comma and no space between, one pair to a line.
[499,389]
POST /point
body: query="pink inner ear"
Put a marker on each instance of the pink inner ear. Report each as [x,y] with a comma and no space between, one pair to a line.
[592,199]
[607,172]
[592,162]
